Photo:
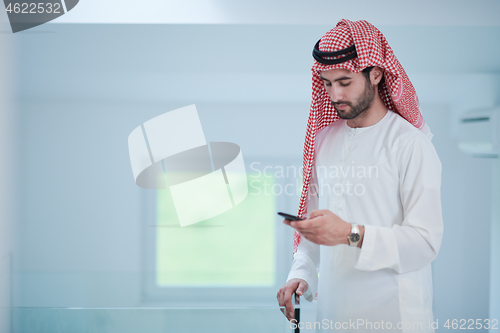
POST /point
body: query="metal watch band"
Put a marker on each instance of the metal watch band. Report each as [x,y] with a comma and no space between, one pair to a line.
[354,236]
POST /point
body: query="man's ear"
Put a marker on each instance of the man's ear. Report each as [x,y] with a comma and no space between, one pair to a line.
[376,75]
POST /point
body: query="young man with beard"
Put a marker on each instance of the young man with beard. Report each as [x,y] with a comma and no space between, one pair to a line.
[372,234]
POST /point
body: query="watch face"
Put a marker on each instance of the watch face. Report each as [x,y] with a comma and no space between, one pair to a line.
[354,238]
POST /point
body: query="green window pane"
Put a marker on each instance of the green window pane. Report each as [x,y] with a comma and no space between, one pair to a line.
[236,248]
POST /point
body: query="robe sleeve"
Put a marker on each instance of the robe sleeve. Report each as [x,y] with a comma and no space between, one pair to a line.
[415,242]
[306,259]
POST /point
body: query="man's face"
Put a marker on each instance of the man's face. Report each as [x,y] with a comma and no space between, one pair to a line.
[351,93]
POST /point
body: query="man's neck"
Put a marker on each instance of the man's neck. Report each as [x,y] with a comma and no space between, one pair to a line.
[371,116]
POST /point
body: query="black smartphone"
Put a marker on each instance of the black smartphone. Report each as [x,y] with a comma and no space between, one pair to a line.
[290,217]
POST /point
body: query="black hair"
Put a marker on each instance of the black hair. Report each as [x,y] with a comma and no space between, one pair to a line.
[366,72]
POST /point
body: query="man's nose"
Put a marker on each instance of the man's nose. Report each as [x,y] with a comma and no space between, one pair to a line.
[335,95]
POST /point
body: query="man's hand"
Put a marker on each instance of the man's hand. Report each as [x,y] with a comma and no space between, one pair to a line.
[285,295]
[324,228]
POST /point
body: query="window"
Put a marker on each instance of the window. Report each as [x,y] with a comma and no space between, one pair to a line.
[239,257]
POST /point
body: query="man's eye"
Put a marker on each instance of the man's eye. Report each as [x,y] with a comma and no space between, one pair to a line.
[344,84]
[328,84]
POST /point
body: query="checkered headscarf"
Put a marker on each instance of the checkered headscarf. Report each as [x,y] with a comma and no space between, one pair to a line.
[396,91]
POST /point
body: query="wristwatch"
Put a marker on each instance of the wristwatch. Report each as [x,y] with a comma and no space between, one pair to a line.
[354,236]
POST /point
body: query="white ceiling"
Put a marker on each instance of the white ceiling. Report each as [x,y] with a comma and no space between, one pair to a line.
[379,12]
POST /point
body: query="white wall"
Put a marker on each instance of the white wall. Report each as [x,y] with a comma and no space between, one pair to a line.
[382,12]
[495,245]
[82,216]
[7,184]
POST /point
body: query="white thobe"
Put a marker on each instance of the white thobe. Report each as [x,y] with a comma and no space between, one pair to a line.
[386,177]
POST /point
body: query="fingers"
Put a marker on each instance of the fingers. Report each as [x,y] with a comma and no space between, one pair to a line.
[284,297]
[306,225]
[297,225]
[301,225]
[282,301]
[288,304]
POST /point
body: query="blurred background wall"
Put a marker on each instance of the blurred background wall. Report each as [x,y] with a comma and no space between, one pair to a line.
[7,173]
[82,88]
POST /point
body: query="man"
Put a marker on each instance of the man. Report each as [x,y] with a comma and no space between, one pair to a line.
[371,192]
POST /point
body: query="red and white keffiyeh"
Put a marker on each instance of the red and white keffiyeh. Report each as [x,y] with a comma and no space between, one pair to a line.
[396,91]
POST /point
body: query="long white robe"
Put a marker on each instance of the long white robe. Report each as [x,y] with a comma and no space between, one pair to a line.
[386,177]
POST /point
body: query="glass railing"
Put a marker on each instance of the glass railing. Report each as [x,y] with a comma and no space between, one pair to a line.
[149,320]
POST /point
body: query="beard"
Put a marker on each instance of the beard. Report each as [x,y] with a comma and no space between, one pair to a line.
[364,102]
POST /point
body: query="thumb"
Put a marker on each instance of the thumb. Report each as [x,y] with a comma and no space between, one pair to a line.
[302,288]
[316,213]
